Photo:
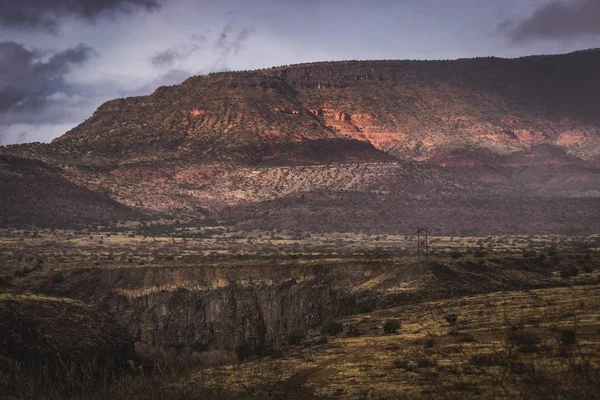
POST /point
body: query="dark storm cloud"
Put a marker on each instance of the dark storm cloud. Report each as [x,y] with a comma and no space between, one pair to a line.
[166,58]
[46,14]
[26,80]
[557,20]
[232,38]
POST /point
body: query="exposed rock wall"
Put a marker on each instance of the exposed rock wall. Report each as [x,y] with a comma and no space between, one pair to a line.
[258,316]
[179,311]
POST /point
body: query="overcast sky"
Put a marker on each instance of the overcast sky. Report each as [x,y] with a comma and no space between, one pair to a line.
[61,59]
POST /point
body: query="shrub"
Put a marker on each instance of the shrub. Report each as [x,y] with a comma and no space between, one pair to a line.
[43,289]
[391,326]
[365,309]
[295,336]
[243,352]
[429,343]
[322,340]
[519,367]
[465,338]
[352,331]
[529,254]
[480,253]
[487,360]
[426,363]
[569,271]
[456,254]
[526,342]
[568,337]
[57,278]
[451,318]
[588,269]
[332,328]
[409,366]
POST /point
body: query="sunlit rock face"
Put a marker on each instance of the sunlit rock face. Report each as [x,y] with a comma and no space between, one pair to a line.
[409,109]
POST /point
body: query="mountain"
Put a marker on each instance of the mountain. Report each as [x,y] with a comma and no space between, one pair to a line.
[460,135]
[410,109]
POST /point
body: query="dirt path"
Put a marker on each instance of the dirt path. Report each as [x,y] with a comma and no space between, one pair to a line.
[296,382]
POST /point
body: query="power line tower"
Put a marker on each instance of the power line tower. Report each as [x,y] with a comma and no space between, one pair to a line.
[423,244]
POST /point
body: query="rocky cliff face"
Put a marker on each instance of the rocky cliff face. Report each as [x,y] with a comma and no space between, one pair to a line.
[185,311]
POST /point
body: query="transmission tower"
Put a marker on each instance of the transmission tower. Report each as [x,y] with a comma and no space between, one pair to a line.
[423,244]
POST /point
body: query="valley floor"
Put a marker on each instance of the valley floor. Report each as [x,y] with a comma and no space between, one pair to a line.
[216,313]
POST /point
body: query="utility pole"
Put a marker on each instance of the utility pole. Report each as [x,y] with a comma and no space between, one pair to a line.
[418,233]
[425,243]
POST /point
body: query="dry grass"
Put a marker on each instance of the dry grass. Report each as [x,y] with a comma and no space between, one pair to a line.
[503,344]
[478,357]
[59,250]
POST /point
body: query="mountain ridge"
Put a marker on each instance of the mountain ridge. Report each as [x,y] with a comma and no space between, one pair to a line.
[401,107]
[499,128]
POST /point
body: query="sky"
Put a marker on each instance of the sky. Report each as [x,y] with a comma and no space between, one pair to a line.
[61,59]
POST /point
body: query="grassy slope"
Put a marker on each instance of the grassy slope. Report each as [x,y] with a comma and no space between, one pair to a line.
[471,359]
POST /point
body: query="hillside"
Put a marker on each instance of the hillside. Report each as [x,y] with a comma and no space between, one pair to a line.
[38,194]
[476,139]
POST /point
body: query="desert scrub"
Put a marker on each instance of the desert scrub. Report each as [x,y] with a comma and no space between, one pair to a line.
[567,337]
[451,318]
[57,278]
[352,331]
[391,326]
[295,336]
[321,340]
[526,342]
[332,328]
[429,342]
[243,352]
[569,271]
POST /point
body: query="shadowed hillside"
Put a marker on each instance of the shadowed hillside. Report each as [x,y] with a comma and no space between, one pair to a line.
[36,193]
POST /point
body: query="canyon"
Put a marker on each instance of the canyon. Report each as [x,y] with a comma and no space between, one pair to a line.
[180,304]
